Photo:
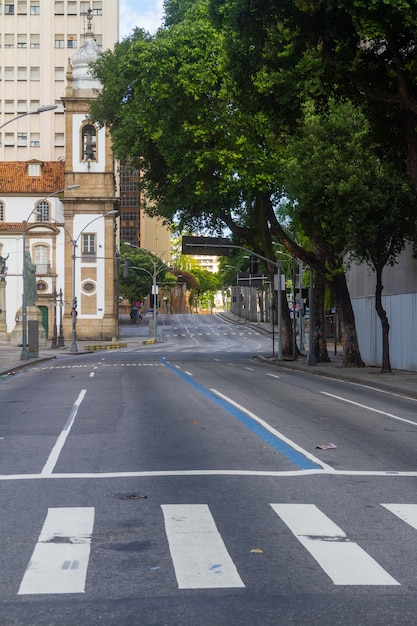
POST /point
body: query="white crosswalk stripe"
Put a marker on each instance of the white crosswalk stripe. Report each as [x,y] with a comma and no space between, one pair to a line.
[200,558]
[60,560]
[344,561]
[406,512]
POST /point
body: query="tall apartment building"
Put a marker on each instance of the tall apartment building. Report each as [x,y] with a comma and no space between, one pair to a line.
[36,39]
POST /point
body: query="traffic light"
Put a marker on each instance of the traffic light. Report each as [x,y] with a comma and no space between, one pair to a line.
[253,265]
[126,268]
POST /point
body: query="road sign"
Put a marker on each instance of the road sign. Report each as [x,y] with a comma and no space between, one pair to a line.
[210,246]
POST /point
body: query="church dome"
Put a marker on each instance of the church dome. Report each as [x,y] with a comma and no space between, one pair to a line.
[80,61]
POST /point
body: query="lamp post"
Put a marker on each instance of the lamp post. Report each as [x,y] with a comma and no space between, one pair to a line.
[74,242]
[154,284]
[25,353]
[42,109]
[61,341]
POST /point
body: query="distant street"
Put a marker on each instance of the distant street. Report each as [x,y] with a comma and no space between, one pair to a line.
[182,484]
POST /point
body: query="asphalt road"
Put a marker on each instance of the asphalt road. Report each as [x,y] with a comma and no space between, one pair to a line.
[182,484]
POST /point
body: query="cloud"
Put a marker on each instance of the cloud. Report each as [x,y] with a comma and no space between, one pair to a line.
[148,15]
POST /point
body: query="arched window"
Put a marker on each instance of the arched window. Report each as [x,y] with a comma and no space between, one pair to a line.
[42,211]
[41,254]
[2,218]
[89,142]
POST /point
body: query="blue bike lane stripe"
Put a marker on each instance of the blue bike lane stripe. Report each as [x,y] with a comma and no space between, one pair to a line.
[292,455]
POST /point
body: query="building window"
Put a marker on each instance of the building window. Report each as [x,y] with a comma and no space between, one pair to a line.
[2,218]
[84,7]
[34,169]
[22,73]
[88,249]
[9,40]
[72,8]
[9,106]
[9,73]
[59,140]
[41,285]
[59,74]
[34,7]
[35,40]
[34,104]
[22,7]
[89,142]
[22,106]
[35,140]
[88,287]
[59,41]
[22,139]
[9,8]
[59,7]
[72,41]
[41,255]
[42,211]
[35,73]
[97,8]
[9,139]
[22,41]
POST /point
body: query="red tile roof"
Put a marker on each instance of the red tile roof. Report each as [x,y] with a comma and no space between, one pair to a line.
[14,178]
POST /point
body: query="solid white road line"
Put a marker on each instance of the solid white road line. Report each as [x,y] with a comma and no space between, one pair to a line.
[344,561]
[370,408]
[406,512]
[200,558]
[60,559]
[56,450]
[274,431]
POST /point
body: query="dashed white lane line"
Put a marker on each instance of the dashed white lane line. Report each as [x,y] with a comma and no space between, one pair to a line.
[56,450]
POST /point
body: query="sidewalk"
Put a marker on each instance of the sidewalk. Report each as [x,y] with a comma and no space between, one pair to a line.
[399,381]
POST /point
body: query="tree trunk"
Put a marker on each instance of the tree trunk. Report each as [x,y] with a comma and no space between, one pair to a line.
[351,353]
[320,341]
[386,364]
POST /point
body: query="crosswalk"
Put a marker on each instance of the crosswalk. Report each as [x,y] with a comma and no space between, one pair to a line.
[200,557]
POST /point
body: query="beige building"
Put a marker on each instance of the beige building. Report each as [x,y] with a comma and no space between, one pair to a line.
[36,39]
[70,240]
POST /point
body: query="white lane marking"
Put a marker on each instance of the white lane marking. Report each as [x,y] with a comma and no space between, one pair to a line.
[60,559]
[216,472]
[200,558]
[250,369]
[189,373]
[56,450]
[406,512]
[370,408]
[91,375]
[273,375]
[344,561]
[274,431]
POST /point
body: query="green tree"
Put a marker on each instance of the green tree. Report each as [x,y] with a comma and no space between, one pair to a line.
[349,200]
[138,283]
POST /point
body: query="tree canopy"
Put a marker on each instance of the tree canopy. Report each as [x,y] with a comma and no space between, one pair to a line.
[218,106]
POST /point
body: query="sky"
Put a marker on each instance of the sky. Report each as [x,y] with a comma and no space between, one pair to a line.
[145,14]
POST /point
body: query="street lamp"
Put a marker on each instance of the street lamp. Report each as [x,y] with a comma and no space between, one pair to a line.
[74,243]
[42,109]
[25,353]
[154,284]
